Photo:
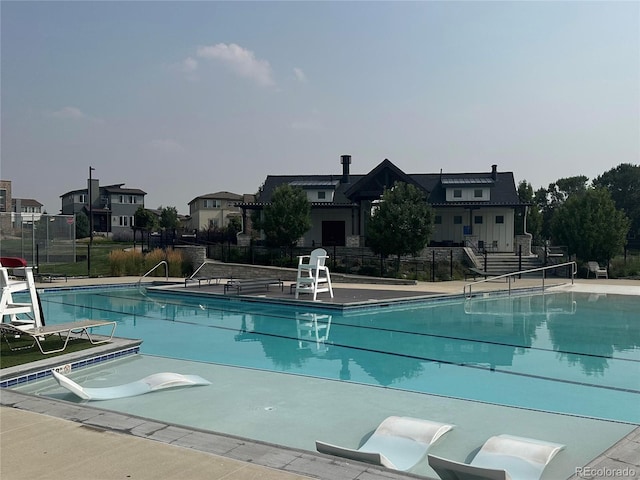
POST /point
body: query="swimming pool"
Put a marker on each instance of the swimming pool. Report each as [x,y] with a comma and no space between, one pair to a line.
[560,352]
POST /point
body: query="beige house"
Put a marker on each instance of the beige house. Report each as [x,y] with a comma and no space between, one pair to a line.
[213,211]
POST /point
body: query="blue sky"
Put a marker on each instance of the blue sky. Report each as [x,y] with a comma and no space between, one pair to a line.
[181,99]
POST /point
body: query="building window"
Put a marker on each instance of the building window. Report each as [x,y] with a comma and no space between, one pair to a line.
[499,218]
[457,219]
[124,221]
[477,219]
[457,193]
[438,220]
[477,193]
[82,198]
[212,203]
[322,195]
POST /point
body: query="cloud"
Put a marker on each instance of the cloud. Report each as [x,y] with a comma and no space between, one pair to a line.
[299,75]
[189,65]
[72,113]
[240,60]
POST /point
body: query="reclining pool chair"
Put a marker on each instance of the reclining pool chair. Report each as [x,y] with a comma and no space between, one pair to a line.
[398,443]
[503,457]
[313,274]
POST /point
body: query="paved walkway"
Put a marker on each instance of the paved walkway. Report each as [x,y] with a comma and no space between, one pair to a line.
[43,438]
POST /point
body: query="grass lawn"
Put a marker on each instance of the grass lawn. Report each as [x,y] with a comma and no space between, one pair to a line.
[28,353]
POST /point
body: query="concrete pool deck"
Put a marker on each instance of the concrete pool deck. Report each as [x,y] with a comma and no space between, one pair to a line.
[47,438]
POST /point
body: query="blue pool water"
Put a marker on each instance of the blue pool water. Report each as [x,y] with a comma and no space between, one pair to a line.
[561,352]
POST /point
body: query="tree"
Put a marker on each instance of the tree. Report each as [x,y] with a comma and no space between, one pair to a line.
[169,218]
[287,217]
[233,228]
[623,183]
[555,195]
[145,221]
[534,216]
[590,225]
[402,223]
[82,225]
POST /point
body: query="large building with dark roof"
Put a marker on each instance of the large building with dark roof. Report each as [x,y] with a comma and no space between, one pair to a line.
[476,208]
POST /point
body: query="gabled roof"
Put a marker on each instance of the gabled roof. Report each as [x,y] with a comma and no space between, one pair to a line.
[218,196]
[385,174]
[26,202]
[372,185]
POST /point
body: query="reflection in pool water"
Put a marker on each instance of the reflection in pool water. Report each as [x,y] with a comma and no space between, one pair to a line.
[565,352]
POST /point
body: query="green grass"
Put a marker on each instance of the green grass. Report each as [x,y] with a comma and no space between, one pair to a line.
[29,354]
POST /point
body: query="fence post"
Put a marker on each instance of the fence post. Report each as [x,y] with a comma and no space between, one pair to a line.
[433,265]
[451,264]
[520,260]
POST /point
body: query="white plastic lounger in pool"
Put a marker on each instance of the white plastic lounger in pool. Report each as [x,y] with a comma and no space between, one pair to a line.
[398,443]
[157,381]
[503,457]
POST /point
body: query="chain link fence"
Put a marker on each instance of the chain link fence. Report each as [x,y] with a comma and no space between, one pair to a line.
[39,238]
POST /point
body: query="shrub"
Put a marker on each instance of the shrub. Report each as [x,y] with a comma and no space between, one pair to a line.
[129,262]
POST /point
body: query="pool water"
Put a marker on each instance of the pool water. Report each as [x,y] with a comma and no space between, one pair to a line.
[562,352]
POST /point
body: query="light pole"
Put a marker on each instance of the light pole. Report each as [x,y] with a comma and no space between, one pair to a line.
[91,169]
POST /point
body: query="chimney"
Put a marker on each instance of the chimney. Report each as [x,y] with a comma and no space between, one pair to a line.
[494,172]
[345,160]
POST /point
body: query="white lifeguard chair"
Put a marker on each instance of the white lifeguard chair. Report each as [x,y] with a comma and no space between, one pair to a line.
[313,274]
[22,315]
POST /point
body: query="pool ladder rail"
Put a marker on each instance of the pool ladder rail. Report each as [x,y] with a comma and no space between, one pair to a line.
[509,277]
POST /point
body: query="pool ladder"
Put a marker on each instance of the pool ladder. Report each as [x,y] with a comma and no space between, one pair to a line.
[166,271]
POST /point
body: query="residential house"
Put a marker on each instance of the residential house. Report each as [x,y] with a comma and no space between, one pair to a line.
[112,207]
[475,209]
[14,212]
[213,211]
[25,210]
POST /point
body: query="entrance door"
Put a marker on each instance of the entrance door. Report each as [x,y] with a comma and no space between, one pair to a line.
[333,233]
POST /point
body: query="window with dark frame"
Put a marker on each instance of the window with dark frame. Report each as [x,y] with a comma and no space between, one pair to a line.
[477,219]
[499,218]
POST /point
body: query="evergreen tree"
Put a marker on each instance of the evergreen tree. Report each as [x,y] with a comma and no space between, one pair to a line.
[590,226]
[402,223]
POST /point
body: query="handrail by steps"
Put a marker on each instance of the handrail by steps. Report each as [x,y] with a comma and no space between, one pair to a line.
[166,271]
[509,276]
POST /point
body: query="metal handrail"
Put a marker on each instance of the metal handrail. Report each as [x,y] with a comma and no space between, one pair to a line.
[509,276]
[166,271]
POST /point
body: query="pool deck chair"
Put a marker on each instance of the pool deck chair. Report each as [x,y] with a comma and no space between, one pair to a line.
[503,457]
[65,331]
[398,443]
[152,383]
[597,270]
[313,274]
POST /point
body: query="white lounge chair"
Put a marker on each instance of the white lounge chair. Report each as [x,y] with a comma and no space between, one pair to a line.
[65,331]
[503,457]
[152,383]
[313,274]
[398,443]
[597,270]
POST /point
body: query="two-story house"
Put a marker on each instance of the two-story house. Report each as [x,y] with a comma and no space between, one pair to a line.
[470,208]
[213,211]
[25,210]
[112,207]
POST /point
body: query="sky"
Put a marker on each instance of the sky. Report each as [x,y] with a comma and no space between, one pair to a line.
[182,99]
